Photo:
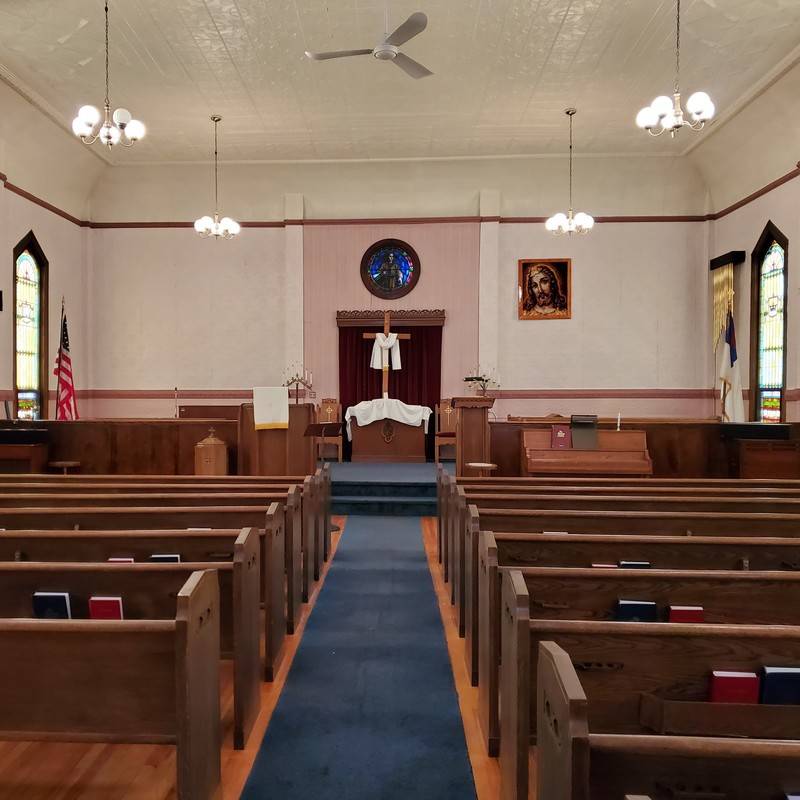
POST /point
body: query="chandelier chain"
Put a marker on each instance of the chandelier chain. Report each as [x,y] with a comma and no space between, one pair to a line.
[678,51]
[108,102]
[570,163]
[216,179]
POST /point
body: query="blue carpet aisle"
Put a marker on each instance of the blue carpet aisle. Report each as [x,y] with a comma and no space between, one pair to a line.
[369,709]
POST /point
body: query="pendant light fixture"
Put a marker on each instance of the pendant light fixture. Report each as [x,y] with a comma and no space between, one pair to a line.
[111,129]
[665,113]
[568,223]
[225,228]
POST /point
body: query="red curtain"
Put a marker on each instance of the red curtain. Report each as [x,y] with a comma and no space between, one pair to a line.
[417,383]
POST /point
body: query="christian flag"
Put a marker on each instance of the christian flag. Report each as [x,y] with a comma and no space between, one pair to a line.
[730,377]
[66,406]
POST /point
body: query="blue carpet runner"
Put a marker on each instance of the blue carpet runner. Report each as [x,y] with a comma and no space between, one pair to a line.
[369,711]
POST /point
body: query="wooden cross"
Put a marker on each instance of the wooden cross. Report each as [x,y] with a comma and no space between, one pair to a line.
[385,374]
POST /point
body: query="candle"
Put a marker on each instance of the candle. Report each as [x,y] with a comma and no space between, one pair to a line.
[619,418]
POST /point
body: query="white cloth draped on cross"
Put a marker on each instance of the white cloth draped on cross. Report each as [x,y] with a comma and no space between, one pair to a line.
[384,347]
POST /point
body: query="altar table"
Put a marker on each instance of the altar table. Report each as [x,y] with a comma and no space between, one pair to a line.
[387,430]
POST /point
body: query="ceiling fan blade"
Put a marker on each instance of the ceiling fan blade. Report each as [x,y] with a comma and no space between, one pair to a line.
[412,27]
[411,67]
[336,54]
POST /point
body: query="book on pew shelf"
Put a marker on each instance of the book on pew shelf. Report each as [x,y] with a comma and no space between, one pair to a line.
[52,605]
[734,687]
[605,566]
[198,529]
[560,437]
[165,558]
[556,533]
[105,608]
[781,686]
[636,611]
[121,560]
[686,614]
[634,564]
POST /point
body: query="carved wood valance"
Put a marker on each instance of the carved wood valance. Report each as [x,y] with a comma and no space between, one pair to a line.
[373,318]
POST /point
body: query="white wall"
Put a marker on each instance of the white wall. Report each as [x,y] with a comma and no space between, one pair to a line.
[168,308]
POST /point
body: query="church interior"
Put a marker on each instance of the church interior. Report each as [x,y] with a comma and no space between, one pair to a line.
[399,400]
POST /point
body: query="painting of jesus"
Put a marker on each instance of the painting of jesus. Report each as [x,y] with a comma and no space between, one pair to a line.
[545,289]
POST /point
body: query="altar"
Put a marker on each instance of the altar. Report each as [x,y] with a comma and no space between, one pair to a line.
[387,430]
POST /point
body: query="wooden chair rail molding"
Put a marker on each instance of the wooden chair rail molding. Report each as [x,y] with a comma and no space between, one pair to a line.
[373,318]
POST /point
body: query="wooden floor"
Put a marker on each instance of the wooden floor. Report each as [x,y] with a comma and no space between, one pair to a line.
[485,770]
[63,771]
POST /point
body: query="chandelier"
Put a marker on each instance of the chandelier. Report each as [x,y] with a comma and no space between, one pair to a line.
[665,113]
[567,223]
[116,128]
[225,228]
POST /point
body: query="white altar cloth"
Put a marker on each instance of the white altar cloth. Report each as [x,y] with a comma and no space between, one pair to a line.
[385,408]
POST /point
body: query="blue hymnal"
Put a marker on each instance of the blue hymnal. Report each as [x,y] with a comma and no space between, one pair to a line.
[51,605]
[636,611]
[634,564]
[165,558]
[781,686]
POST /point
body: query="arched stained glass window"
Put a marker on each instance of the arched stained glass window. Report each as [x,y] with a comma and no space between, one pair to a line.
[30,383]
[769,313]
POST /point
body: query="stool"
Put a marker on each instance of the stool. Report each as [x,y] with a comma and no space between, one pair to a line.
[483,468]
[65,466]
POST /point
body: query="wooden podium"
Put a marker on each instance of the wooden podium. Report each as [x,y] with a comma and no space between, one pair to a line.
[472,431]
[280,451]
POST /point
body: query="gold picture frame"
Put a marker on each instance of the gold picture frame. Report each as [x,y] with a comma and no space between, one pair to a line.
[544,289]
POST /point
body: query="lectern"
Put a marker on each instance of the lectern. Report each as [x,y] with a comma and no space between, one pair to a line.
[472,431]
[279,451]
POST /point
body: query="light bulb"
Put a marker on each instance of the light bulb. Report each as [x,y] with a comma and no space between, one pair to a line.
[707,113]
[670,122]
[79,127]
[135,130]
[109,134]
[225,224]
[647,118]
[583,221]
[697,103]
[550,225]
[235,227]
[89,115]
[198,225]
[662,105]
[121,117]
[208,222]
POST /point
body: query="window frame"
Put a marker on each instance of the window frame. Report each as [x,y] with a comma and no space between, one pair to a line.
[30,243]
[770,234]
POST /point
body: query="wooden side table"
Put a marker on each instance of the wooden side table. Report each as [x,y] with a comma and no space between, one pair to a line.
[483,468]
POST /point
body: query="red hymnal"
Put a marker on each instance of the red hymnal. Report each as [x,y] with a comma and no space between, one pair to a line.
[560,437]
[686,614]
[734,687]
[105,608]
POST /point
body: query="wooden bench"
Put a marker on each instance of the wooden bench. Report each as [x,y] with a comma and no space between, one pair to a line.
[192,546]
[122,681]
[148,591]
[159,518]
[556,593]
[619,663]
[580,760]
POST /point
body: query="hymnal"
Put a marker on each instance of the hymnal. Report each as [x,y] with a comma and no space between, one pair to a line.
[734,687]
[105,608]
[165,558]
[636,611]
[52,605]
[121,560]
[686,614]
[560,437]
[634,564]
[605,566]
[781,686]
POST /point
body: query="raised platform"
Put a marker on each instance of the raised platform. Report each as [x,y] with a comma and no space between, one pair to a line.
[384,489]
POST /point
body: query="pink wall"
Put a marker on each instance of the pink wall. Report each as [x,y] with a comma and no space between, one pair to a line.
[449,255]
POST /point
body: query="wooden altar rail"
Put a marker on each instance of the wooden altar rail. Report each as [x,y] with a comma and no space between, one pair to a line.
[162,674]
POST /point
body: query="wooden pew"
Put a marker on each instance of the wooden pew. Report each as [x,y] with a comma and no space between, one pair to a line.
[619,663]
[576,761]
[128,681]
[192,546]
[754,598]
[156,518]
[148,591]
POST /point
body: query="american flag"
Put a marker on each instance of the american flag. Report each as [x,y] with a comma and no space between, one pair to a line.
[66,405]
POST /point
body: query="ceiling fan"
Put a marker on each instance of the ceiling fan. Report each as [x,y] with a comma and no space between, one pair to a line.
[388,49]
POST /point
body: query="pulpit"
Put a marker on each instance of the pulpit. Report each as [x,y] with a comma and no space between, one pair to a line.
[278,451]
[473,444]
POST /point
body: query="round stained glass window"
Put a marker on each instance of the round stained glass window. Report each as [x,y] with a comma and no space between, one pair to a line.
[390,269]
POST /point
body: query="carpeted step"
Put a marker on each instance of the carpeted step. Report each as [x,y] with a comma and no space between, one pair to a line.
[383,489]
[385,505]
